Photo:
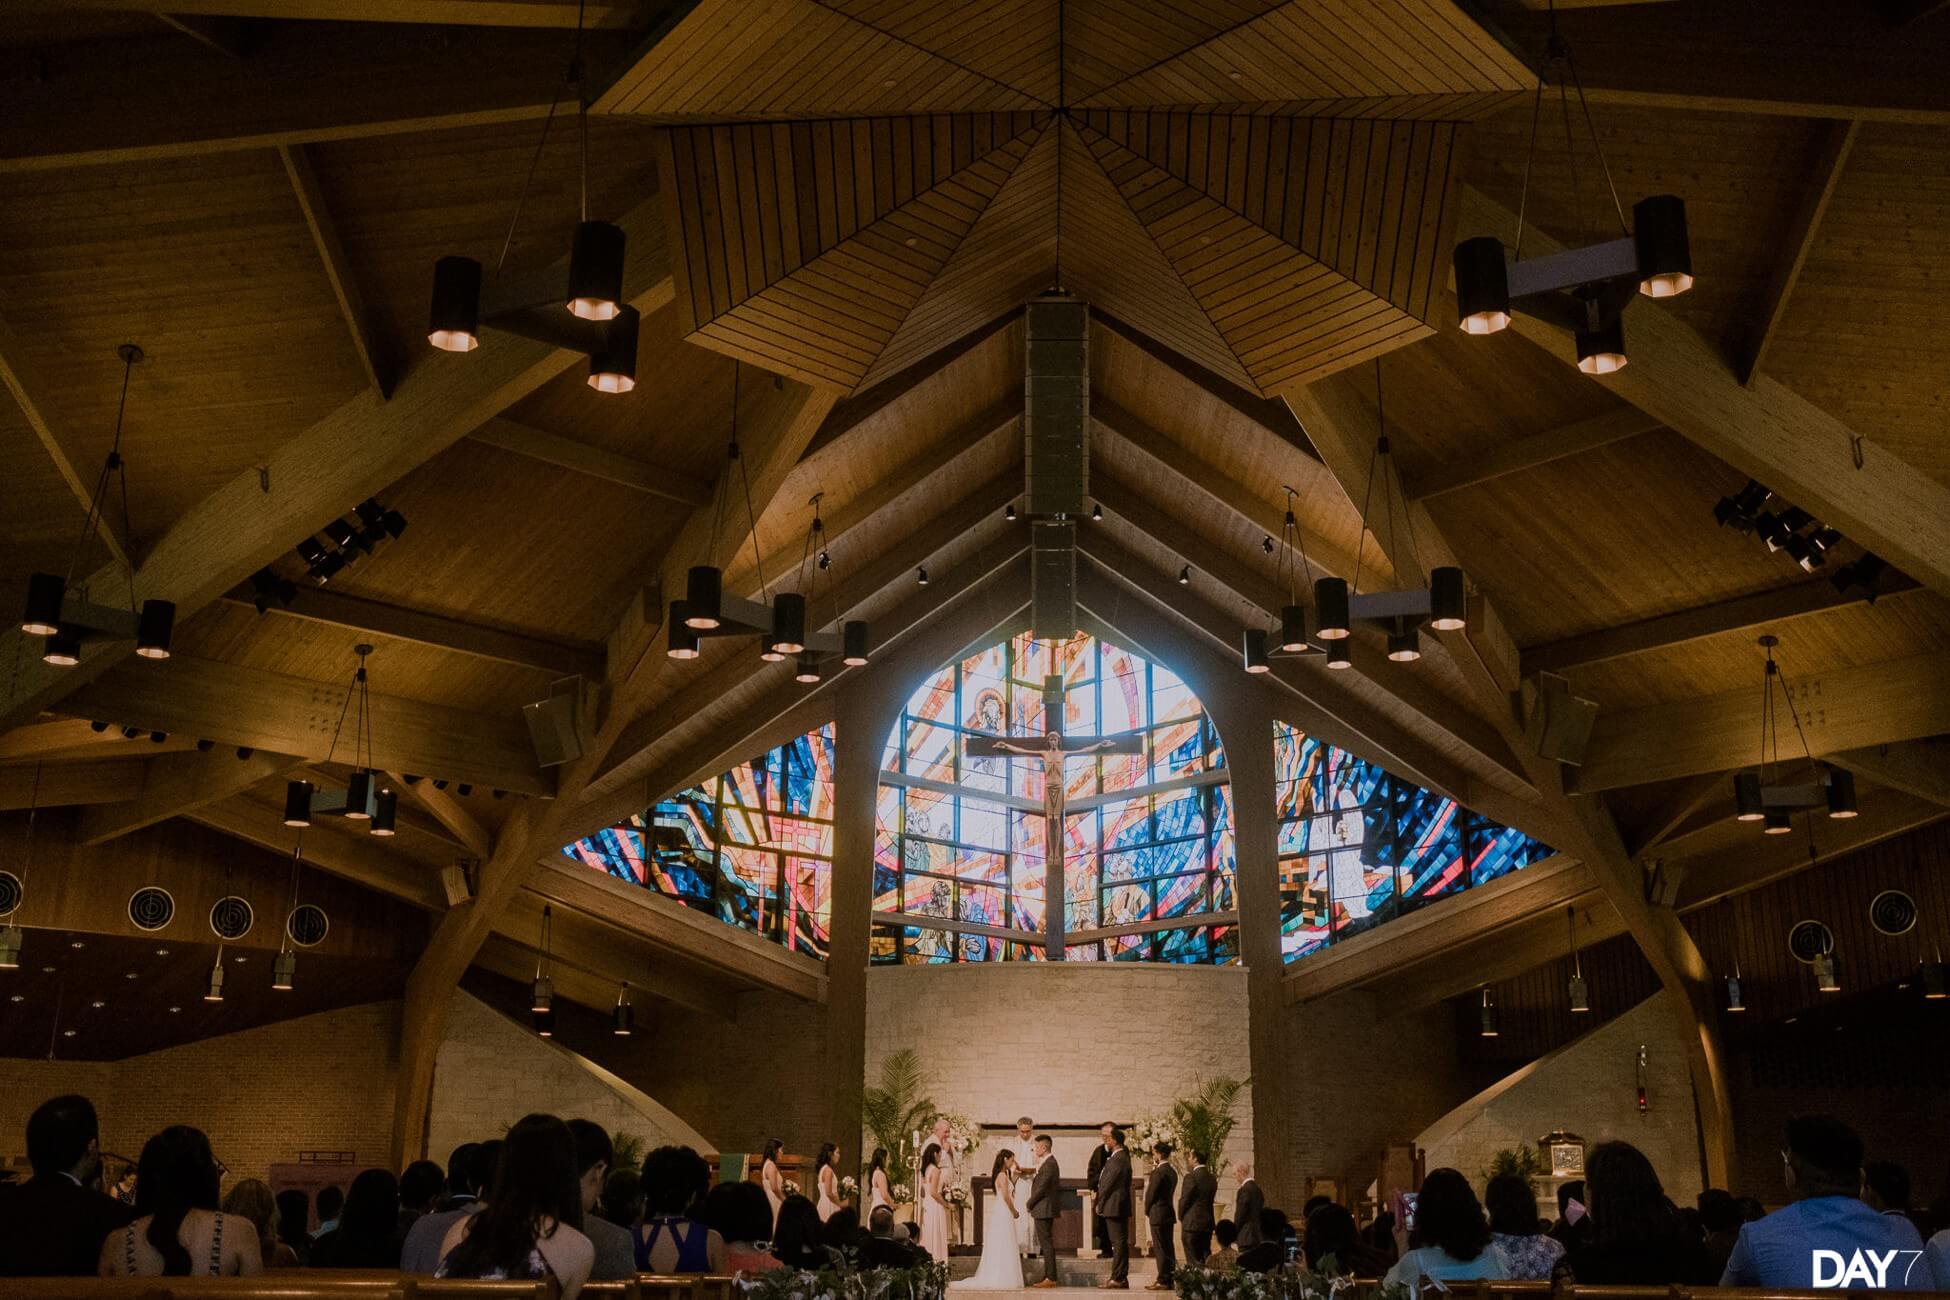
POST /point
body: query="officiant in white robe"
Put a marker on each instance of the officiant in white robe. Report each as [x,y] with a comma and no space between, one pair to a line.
[1024,1145]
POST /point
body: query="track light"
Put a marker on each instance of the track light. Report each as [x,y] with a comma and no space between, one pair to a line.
[158,737]
[205,745]
[788,623]
[921,576]
[10,941]
[1447,600]
[1404,643]
[853,643]
[463,789]
[544,1023]
[284,969]
[385,813]
[244,752]
[454,323]
[1482,285]
[808,670]
[46,592]
[130,733]
[612,367]
[596,271]
[297,803]
[1860,576]
[1293,629]
[1665,256]
[1738,511]
[440,783]
[1339,655]
[1255,651]
[622,1020]
[216,979]
[358,795]
[1185,576]
[703,597]
[98,727]
[1487,1018]
[1331,608]
[63,649]
[1601,351]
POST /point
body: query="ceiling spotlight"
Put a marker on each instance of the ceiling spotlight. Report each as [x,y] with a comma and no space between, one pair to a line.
[921,576]
[612,367]
[98,727]
[130,733]
[596,271]
[440,783]
[1860,576]
[825,560]
[1739,510]
[1009,512]
[158,737]
[455,321]
[463,789]
[244,752]
[1185,576]
[205,745]
[1266,544]
[341,534]
[1096,514]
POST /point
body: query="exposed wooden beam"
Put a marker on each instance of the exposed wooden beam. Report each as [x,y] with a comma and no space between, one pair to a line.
[299,716]
[1841,709]
[1758,610]
[1673,819]
[398,623]
[1468,965]
[373,359]
[447,810]
[357,450]
[64,738]
[1763,429]
[616,944]
[229,37]
[354,857]
[57,785]
[132,100]
[78,468]
[849,416]
[1267,412]
[178,784]
[1916,767]
[1521,454]
[550,14]
[1740,858]
[1838,139]
[581,458]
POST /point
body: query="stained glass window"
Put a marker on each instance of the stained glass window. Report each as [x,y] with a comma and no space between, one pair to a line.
[1359,845]
[752,846]
[962,856]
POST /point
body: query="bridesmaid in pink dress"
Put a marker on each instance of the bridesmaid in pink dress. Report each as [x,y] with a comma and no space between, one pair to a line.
[933,1206]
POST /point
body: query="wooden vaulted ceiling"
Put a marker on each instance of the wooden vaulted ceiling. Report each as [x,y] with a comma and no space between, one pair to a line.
[261,211]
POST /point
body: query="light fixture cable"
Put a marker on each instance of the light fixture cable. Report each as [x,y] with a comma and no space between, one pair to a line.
[130,355]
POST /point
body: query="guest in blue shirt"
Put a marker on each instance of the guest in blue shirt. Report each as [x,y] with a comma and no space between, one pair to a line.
[1828,1237]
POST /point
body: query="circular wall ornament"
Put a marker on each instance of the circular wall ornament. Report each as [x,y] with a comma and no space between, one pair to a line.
[307,925]
[1809,940]
[10,893]
[231,918]
[151,908]
[1892,912]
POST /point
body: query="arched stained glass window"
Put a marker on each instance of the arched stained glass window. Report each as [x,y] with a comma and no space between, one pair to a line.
[964,866]
[1359,845]
[752,846]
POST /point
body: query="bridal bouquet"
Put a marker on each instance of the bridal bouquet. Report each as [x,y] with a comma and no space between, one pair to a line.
[956,1195]
[902,1193]
[849,1185]
[792,1188]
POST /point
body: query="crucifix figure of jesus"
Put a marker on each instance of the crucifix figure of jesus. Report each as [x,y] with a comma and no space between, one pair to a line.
[1055,750]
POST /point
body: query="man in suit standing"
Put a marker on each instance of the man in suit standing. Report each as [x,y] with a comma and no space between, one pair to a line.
[1246,1208]
[1099,1235]
[1160,1210]
[1114,1208]
[52,1225]
[1045,1193]
[1195,1196]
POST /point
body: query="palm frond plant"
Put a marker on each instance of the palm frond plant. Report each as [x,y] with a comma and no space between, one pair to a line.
[892,1109]
[1525,1162]
[1204,1120]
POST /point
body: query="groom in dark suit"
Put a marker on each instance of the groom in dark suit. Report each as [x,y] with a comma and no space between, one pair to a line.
[1045,1192]
[1114,1209]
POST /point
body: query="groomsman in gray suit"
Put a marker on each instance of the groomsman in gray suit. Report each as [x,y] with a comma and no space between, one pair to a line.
[1245,1209]
[1114,1207]
[1161,1213]
[1195,1197]
[1045,1192]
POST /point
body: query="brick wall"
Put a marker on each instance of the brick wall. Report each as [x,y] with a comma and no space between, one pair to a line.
[322,1082]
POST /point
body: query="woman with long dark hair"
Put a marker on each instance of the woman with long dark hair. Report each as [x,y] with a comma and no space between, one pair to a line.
[294,1224]
[771,1179]
[878,1192]
[1635,1235]
[252,1200]
[1512,1204]
[827,1171]
[368,1234]
[532,1226]
[799,1240]
[1452,1238]
[931,1205]
[739,1214]
[179,1231]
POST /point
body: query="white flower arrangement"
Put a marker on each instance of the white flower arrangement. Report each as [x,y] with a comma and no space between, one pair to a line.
[792,1188]
[964,1135]
[956,1195]
[1150,1130]
[901,1193]
[849,1185]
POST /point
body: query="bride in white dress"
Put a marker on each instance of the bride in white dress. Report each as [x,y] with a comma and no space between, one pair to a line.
[1001,1268]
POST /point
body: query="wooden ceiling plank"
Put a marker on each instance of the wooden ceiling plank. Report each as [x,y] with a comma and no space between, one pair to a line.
[63,737]
[359,449]
[178,784]
[447,810]
[1522,454]
[1838,139]
[59,785]
[850,415]
[1841,709]
[357,858]
[552,14]
[374,359]
[1763,429]
[295,715]
[1920,768]
[76,467]
[1753,860]
[1268,413]
[581,458]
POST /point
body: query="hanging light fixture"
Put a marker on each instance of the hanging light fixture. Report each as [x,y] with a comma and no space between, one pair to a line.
[297,803]
[542,991]
[595,264]
[1586,288]
[544,1022]
[612,368]
[67,624]
[284,967]
[1487,1018]
[1735,1002]
[1255,651]
[10,944]
[622,1019]
[385,813]
[454,323]
[1759,795]
[1580,992]
[215,993]
[1824,968]
[1936,978]
[680,636]
[1285,634]
[12,938]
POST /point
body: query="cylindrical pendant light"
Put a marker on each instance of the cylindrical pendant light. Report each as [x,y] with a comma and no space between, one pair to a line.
[454,324]
[612,367]
[1776,822]
[1841,793]
[216,979]
[1255,651]
[1826,980]
[284,969]
[541,994]
[1488,1017]
[1405,643]
[622,1020]
[63,649]
[1293,628]
[10,941]
[1447,601]
[1665,256]
[1331,609]
[703,597]
[1482,285]
[545,1023]
[808,671]
[385,812]
[1601,351]
[1936,980]
[152,628]
[853,643]
[596,271]
[788,623]
[1746,797]
[1580,995]
[297,803]
[1736,1001]
[45,594]
[1340,655]
[682,639]
[358,796]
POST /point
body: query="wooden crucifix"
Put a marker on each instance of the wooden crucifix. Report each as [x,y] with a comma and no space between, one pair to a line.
[1055,750]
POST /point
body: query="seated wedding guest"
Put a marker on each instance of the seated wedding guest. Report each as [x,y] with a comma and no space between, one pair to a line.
[622,1198]
[1380,1236]
[252,1200]
[796,1241]
[1226,1233]
[1885,1187]
[1454,1238]
[528,1229]
[883,1249]
[1636,1237]
[1936,1253]
[1271,1252]
[741,1215]
[53,1223]
[1824,1176]
[1573,1226]
[1335,1246]
[1719,1221]
[669,1240]
[1311,1204]
[842,1235]
[368,1231]
[331,1200]
[294,1218]
[421,1187]
[180,1232]
[615,1247]
[468,1177]
[1527,1252]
